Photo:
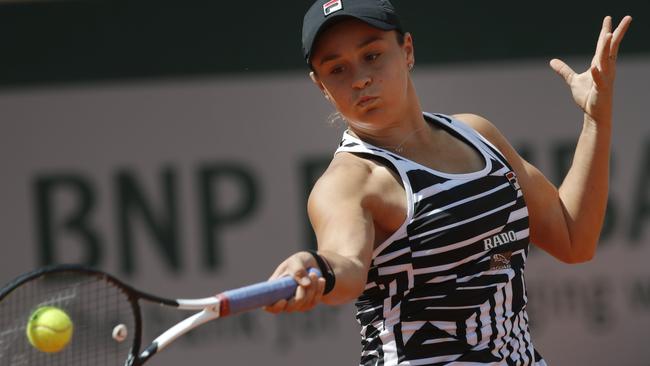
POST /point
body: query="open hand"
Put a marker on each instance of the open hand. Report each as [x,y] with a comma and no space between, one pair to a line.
[593,89]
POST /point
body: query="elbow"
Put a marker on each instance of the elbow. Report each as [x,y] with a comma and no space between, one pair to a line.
[579,256]
[577,259]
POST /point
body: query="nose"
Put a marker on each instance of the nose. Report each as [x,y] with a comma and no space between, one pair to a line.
[362,81]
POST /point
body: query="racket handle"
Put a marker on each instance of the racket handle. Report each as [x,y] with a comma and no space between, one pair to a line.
[260,294]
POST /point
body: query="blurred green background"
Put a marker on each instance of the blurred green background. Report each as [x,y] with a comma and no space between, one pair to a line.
[45,42]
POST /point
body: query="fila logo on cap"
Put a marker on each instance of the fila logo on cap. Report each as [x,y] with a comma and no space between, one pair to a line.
[332,7]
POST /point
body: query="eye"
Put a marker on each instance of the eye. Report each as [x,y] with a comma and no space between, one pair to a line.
[336,70]
[372,56]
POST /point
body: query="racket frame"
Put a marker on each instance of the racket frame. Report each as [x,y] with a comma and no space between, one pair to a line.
[209,308]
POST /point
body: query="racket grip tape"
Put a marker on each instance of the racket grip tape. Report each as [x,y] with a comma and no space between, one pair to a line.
[258,295]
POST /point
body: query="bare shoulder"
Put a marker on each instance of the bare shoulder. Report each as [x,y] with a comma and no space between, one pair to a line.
[492,134]
[344,179]
[353,180]
[345,168]
[487,129]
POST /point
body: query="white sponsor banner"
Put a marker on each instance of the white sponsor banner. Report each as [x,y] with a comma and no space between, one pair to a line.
[185,188]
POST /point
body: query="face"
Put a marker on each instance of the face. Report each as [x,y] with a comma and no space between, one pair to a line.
[363,71]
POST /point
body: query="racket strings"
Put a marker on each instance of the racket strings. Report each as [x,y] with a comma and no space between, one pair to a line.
[95,307]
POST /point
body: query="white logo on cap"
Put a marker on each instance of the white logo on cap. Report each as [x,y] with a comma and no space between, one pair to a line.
[332,7]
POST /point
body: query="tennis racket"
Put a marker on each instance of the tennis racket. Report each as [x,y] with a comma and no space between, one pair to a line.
[106,317]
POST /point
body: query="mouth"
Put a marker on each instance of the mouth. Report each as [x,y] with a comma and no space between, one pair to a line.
[366,101]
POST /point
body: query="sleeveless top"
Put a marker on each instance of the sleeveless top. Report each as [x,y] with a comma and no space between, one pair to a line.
[447,288]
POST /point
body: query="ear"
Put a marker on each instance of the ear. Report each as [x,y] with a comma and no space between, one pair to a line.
[409,49]
[314,78]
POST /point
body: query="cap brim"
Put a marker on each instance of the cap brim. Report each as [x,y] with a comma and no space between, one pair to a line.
[377,23]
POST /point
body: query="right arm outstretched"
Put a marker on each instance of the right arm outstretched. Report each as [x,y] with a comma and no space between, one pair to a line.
[340,212]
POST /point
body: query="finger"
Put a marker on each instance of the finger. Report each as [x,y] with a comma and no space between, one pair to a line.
[291,305]
[301,298]
[277,307]
[597,76]
[297,269]
[562,69]
[305,294]
[311,292]
[301,294]
[619,33]
[301,276]
[604,30]
[320,288]
[279,271]
[606,59]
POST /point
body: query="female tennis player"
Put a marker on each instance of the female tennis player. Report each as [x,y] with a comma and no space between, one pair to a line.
[424,218]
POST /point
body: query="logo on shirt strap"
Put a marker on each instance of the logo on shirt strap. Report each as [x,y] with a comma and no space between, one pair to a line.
[512,179]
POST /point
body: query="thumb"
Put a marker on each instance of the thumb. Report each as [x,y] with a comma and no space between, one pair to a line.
[562,69]
[297,268]
[302,277]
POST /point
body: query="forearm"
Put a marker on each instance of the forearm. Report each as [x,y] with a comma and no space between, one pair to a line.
[583,193]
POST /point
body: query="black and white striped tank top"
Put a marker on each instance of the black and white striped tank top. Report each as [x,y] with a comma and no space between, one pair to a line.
[447,288]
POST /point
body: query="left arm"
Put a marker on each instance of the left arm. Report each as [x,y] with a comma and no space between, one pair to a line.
[565,226]
[566,221]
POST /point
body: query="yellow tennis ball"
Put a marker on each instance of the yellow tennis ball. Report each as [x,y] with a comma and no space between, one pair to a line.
[49,329]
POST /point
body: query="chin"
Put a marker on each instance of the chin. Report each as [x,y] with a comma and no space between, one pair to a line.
[377,114]
[370,119]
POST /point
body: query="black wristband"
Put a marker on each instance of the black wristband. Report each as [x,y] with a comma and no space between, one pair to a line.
[325,269]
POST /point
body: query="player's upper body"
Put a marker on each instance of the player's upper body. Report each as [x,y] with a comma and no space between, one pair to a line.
[365,202]
[448,284]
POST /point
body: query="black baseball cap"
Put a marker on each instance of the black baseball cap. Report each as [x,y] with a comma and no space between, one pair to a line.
[377,13]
